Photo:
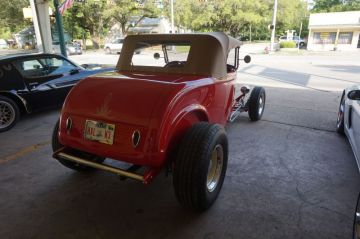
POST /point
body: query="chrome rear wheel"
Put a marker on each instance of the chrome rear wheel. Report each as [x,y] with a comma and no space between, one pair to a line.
[215,168]
[200,165]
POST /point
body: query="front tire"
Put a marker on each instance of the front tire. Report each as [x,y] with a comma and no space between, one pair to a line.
[56,145]
[9,113]
[256,103]
[340,119]
[356,224]
[200,166]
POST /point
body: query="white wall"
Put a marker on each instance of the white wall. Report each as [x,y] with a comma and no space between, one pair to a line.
[355,39]
[334,18]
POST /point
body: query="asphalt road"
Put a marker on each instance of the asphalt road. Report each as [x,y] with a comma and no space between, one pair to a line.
[289,175]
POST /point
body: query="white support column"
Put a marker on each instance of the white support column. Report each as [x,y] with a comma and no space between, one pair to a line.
[41,20]
[272,41]
[36,26]
[172,17]
[336,39]
[310,40]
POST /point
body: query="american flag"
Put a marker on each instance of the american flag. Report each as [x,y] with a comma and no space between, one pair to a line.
[65,5]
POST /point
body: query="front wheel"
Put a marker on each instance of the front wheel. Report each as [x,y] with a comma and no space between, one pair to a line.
[256,103]
[356,225]
[340,118]
[9,113]
[200,166]
[56,145]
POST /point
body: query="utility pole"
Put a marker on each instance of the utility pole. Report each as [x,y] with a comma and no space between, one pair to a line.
[274,26]
[301,25]
[172,17]
[60,28]
[250,33]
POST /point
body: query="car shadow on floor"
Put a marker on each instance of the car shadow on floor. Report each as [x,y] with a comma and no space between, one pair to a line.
[341,68]
[298,78]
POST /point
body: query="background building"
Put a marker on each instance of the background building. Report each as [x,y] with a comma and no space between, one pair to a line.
[151,25]
[334,31]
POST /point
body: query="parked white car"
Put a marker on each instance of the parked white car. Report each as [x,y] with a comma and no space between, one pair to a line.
[296,39]
[3,44]
[348,121]
[114,47]
[71,48]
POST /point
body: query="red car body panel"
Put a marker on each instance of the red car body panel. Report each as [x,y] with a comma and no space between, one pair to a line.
[162,107]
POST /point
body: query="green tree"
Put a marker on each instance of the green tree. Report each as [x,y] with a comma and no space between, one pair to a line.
[239,18]
[325,5]
[87,18]
[336,5]
[236,17]
[11,17]
[290,15]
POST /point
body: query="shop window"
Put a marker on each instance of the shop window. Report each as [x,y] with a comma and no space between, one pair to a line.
[324,37]
[345,37]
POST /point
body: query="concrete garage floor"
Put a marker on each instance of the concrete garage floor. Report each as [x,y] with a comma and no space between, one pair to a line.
[289,175]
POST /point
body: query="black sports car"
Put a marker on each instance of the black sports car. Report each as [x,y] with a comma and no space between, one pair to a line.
[35,82]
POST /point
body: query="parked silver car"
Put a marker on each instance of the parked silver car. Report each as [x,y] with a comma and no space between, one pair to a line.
[114,46]
[296,39]
[71,48]
[3,44]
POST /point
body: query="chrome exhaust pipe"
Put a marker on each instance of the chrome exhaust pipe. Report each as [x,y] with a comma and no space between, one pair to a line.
[104,167]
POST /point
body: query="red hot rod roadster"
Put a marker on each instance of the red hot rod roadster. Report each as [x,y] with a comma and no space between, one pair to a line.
[163,108]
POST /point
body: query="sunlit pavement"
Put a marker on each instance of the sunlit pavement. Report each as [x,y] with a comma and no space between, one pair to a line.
[289,175]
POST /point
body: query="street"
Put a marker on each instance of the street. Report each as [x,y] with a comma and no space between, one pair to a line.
[290,175]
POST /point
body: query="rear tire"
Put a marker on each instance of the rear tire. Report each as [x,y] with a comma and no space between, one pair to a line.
[9,113]
[108,50]
[256,103]
[200,166]
[56,145]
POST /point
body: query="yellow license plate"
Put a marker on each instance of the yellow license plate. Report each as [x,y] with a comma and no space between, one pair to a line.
[99,131]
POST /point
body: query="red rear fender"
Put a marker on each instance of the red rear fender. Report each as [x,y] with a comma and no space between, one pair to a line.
[175,129]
